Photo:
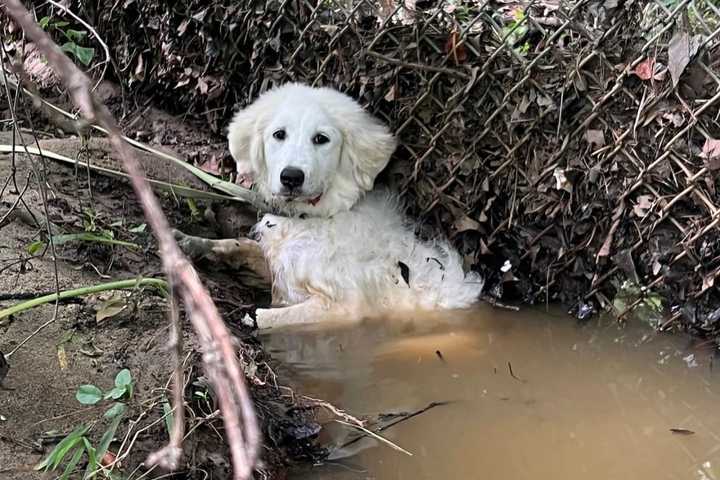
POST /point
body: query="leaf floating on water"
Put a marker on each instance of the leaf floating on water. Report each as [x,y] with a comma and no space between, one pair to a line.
[682,431]
[405,272]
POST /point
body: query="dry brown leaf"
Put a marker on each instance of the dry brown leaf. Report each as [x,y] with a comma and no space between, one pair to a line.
[465,224]
[62,357]
[457,52]
[711,153]
[681,49]
[711,149]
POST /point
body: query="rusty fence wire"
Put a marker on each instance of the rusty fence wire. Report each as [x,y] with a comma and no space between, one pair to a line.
[569,148]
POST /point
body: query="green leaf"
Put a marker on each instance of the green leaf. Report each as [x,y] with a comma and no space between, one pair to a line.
[116,393]
[60,24]
[73,462]
[91,237]
[92,458]
[169,416]
[139,229]
[123,378]
[44,22]
[88,394]
[35,247]
[117,409]
[194,210]
[83,54]
[75,35]
[107,437]
[62,449]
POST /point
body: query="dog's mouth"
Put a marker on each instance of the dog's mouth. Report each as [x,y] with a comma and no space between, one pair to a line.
[301,198]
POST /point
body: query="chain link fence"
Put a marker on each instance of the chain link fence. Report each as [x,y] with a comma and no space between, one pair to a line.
[569,148]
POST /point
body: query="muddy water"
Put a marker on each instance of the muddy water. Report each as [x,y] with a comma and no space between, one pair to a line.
[533,396]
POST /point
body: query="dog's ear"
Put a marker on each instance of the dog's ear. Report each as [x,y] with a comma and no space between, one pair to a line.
[369,148]
[245,141]
[368,143]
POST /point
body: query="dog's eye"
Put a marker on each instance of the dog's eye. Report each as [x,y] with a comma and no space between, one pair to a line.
[279,135]
[320,139]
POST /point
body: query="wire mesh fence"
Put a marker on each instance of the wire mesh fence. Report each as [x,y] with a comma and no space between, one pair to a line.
[570,148]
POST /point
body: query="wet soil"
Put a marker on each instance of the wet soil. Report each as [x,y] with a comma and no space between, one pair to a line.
[37,399]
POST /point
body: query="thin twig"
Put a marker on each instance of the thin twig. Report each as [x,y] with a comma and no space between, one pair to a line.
[417,66]
[403,418]
[30,337]
[335,411]
[376,437]
[512,374]
[169,457]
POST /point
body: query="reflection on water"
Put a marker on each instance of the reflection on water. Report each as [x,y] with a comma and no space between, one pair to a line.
[534,396]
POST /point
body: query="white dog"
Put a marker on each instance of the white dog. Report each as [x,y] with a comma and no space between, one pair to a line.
[344,252]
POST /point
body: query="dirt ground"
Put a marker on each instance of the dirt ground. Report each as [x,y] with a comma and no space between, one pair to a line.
[37,399]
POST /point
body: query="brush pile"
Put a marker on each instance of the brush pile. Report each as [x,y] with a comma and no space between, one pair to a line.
[571,149]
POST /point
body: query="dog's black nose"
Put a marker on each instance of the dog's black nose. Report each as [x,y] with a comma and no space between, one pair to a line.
[292,177]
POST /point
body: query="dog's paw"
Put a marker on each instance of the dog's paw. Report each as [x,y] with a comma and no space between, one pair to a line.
[193,247]
[266,318]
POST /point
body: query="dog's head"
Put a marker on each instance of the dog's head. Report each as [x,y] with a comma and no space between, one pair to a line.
[314,149]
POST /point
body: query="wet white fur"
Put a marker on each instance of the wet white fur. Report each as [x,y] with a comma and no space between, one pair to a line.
[348,255]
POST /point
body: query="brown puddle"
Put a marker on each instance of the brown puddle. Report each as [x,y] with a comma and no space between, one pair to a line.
[534,396]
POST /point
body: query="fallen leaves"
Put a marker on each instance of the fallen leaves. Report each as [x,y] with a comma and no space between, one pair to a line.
[711,153]
[681,50]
